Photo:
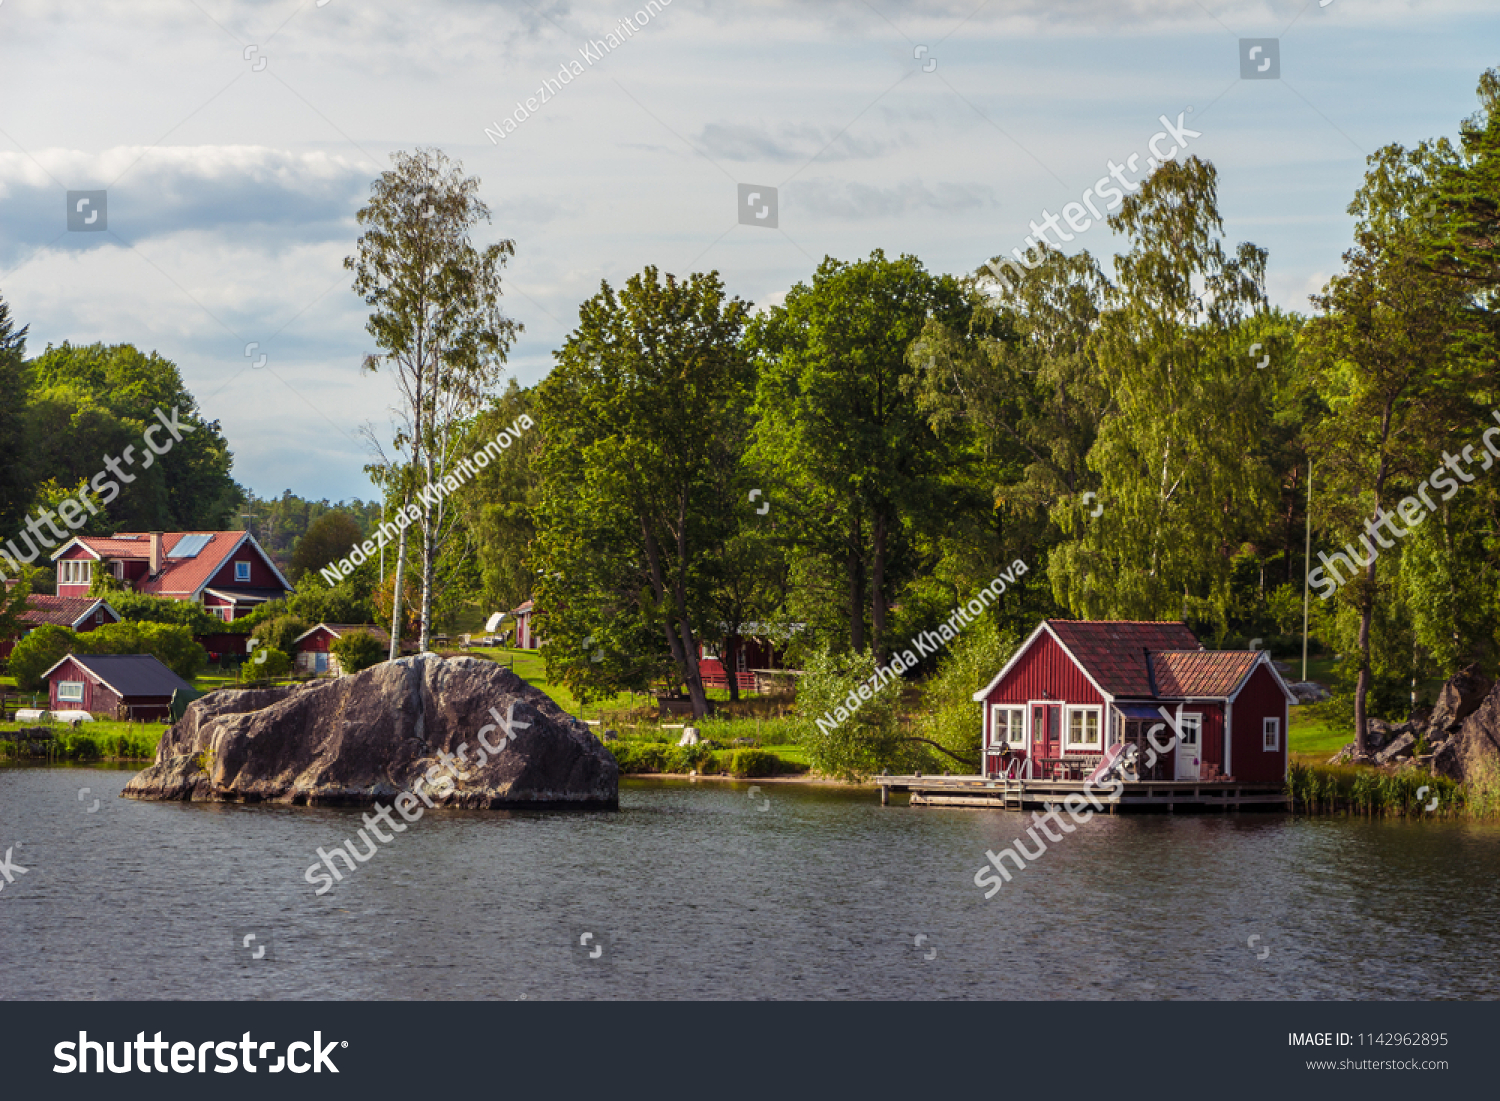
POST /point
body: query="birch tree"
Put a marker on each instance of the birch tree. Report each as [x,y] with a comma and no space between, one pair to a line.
[436,318]
[1180,457]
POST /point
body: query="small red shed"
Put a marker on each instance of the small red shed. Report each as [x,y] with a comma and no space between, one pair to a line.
[314,648]
[1076,687]
[125,686]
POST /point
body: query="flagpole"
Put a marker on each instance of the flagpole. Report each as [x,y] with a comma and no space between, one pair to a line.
[1306,566]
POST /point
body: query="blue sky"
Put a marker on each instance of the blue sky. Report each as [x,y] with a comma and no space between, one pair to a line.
[233,185]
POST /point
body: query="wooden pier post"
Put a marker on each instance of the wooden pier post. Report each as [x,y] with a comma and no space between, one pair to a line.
[885,796]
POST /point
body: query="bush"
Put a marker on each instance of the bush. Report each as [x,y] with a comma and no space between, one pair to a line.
[862,742]
[753,762]
[358,650]
[281,633]
[267,663]
[633,757]
[38,652]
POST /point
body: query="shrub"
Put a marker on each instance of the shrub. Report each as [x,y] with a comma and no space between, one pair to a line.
[863,742]
[38,652]
[753,762]
[634,757]
[358,650]
[268,662]
[281,633]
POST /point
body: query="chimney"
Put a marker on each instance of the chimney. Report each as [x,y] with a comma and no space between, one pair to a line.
[155,553]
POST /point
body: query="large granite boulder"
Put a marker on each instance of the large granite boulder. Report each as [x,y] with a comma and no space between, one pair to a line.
[1474,752]
[1459,697]
[396,727]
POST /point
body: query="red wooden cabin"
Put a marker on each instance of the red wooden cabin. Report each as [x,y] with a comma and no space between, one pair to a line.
[137,687]
[81,613]
[1076,687]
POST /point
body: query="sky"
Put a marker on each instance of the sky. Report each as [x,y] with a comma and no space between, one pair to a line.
[236,141]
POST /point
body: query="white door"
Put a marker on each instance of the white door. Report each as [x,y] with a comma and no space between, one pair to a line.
[1190,747]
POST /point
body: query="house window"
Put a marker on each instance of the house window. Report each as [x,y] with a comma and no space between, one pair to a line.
[1083,728]
[242,571]
[75,572]
[1008,725]
[1270,735]
[70,690]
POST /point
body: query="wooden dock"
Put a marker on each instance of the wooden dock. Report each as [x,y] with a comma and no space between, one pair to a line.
[1018,794]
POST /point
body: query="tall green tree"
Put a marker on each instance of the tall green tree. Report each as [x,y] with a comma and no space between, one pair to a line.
[1399,361]
[1180,458]
[643,414]
[437,319]
[850,457]
[89,402]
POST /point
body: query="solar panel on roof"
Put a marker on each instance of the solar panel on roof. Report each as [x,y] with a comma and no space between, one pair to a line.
[189,546]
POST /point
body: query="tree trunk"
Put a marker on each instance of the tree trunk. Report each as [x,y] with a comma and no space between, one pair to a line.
[1367,605]
[877,591]
[856,596]
[396,592]
[428,542]
[674,641]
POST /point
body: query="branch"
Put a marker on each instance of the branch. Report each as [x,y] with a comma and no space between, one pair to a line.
[940,749]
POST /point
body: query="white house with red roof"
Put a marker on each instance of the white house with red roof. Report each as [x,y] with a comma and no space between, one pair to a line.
[226,571]
[1075,688]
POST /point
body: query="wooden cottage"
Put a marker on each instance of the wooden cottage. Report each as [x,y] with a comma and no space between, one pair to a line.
[81,613]
[137,687]
[225,571]
[1075,688]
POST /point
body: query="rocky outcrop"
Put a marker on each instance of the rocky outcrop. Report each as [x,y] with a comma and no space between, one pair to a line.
[1459,698]
[1474,751]
[1401,746]
[459,732]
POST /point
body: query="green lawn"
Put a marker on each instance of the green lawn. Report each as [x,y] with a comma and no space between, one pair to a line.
[1312,740]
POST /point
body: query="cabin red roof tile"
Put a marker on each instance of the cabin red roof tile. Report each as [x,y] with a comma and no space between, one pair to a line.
[1207,673]
[1113,651]
[64,611]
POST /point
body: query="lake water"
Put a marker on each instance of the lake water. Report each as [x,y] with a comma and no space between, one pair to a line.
[695,891]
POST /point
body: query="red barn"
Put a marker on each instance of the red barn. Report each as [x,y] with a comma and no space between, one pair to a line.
[81,613]
[225,571]
[125,686]
[1075,688]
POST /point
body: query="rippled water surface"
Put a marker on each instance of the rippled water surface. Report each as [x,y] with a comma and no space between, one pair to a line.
[694,891]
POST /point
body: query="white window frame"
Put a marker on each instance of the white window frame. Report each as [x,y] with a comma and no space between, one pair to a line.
[1015,729]
[242,568]
[1271,725]
[1097,745]
[75,571]
[65,686]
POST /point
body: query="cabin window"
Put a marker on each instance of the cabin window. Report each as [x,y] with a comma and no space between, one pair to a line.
[1009,726]
[119,570]
[75,572]
[70,690]
[1270,735]
[1083,727]
[242,571]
